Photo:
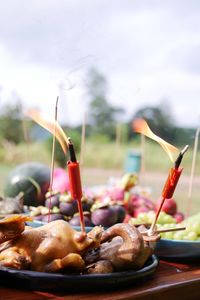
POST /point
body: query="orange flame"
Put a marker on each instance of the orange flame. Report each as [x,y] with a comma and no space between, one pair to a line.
[50,125]
[141,126]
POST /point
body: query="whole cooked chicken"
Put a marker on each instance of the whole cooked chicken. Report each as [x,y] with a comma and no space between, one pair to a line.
[49,248]
[57,247]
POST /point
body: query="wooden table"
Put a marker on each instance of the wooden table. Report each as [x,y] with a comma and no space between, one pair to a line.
[170,281]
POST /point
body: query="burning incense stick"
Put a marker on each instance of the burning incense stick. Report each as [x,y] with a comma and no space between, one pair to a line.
[141,126]
[53,157]
[170,185]
[192,172]
[83,140]
[75,182]
[73,165]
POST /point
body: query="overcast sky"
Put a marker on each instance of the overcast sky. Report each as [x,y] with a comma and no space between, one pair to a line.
[148,51]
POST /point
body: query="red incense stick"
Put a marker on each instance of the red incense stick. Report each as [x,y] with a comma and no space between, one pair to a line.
[75,182]
[170,185]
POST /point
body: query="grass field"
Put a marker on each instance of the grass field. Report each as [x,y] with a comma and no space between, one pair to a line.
[111,156]
[102,161]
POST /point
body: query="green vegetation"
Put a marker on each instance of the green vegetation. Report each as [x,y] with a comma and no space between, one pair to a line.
[108,141]
[103,160]
[110,155]
[102,115]
[11,126]
[99,153]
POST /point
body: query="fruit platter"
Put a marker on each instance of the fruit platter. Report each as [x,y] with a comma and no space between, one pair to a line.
[99,235]
[122,201]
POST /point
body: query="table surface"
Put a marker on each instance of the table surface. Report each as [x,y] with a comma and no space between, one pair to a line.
[170,281]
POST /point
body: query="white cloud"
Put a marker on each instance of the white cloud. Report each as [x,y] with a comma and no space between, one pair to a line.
[148,50]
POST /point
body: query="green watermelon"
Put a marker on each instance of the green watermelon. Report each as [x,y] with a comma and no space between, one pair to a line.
[32,178]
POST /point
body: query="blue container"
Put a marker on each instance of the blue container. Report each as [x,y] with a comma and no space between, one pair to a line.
[133,162]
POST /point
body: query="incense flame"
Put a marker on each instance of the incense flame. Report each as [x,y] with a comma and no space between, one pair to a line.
[50,125]
[141,126]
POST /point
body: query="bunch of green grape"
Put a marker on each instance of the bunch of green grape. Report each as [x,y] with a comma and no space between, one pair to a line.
[192,224]
[191,233]
[148,218]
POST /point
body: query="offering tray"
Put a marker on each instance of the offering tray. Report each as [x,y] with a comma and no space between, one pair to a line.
[44,281]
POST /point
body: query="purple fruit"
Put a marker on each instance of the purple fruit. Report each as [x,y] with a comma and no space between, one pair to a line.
[86,203]
[75,221]
[52,217]
[68,208]
[105,216]
[38,218]
[52,201]
[121,212]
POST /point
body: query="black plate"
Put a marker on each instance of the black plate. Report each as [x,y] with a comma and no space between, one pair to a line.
[178,250]
[43,281]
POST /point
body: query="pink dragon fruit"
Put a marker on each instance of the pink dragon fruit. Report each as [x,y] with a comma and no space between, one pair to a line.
[60,180]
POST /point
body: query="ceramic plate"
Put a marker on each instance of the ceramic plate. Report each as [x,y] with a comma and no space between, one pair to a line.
[178,249]
[36,224]
[43,281]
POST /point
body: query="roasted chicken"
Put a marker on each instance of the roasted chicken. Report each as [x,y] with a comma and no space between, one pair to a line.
[49,248]
[57,247]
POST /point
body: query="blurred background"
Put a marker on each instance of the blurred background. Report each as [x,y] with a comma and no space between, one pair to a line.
[109,62]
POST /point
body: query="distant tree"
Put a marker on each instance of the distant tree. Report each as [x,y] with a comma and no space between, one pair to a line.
[102,115]
[11,122]
[184,136]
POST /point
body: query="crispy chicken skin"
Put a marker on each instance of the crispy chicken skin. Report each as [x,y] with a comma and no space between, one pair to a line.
[49,248]
[57,247]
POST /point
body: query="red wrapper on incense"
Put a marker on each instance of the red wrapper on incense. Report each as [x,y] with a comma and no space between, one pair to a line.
[74,180]
[169,186]
[171,182]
